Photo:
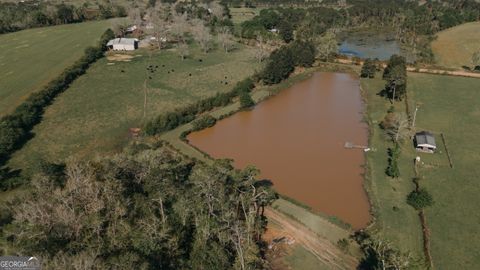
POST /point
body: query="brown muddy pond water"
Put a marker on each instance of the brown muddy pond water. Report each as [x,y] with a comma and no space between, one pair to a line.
[297,140]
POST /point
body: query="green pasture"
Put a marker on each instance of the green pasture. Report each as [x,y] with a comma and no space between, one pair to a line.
[447,105]
[29,59]
[96,113]
[450,105]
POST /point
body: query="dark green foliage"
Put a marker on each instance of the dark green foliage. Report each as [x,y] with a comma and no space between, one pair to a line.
[171,120]
[246,100]
[420,199]
[150,210]
[29,14]
[396,76]
[303,53]
[15,128]
[394,61]
[280,65]
[380,253]
[285,30]
[368,69]
[203,122]
[393,155]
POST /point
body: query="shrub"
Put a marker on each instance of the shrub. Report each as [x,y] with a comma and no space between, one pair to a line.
[280,65]
[246,100]
[420,199]
[303,53]
[203,122]
[368,69]
[170,120]
[392,169]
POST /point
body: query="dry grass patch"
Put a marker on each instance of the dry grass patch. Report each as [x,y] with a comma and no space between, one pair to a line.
[455,46]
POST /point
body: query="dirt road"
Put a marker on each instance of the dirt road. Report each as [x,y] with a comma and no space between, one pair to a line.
[323,249]
[458,73]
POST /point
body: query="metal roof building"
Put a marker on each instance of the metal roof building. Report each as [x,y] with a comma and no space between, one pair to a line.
[425,142]
[123,44]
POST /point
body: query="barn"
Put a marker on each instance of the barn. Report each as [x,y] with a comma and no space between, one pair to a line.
[123,44]
[425,142]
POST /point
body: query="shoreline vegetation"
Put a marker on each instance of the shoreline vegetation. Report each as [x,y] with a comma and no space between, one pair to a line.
[177,137]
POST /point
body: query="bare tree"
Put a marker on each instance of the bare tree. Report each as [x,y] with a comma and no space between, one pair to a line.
[179,26]
[157,19]
[135,17]
[216,10]
[183,50]
[476,59]
[326,45]
[202,35]
[399,128]
[225,37]
[261,52]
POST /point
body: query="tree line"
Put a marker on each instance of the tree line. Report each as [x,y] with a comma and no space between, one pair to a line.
[15,128]
[170,120]
[15,16]
[146,208]
[414,25]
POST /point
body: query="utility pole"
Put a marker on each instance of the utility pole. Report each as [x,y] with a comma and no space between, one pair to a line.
[414,116]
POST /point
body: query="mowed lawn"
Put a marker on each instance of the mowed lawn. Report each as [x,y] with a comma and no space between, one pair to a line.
[447,105]
[29,59]
[96,113]
[451,105]
[455,46]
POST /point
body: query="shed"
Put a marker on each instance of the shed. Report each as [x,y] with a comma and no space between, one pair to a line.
[123,44]
[425,142]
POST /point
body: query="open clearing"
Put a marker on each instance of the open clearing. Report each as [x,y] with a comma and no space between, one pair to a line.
[29,59]
[447,105]
[242,14]
[450,106]
[95,114]
[455,46]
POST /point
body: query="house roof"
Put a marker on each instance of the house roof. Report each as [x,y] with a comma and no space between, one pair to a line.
[425,138]
[122,41]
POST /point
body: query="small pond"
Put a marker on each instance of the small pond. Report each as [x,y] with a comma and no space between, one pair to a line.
[297,140]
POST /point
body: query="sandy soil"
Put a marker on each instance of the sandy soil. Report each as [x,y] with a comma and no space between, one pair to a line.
[321,248]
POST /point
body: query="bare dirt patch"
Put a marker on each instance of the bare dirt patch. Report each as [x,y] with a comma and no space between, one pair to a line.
[120,57]
[289,232]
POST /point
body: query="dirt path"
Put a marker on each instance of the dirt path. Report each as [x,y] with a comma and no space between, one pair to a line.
[321,248]
[458,73]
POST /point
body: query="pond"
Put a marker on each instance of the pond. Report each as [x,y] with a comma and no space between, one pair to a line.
[297,140]
[371,45]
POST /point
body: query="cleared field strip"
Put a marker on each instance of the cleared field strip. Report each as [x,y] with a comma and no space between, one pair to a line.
[29,59]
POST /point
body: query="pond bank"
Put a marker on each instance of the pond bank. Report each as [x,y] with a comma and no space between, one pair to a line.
[297,140]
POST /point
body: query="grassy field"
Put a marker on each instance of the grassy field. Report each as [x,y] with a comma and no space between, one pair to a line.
[95,114]
[300,258]
[242,14]
[395,220]
[447,105]
[31,58]
[454,47]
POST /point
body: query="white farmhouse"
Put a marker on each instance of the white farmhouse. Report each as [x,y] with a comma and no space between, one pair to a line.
[123,44]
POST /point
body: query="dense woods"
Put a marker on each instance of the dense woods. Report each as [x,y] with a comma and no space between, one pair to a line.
[413,24]
[148,208]
[16,16]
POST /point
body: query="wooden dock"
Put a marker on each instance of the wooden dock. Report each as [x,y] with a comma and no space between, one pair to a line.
[350,145]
